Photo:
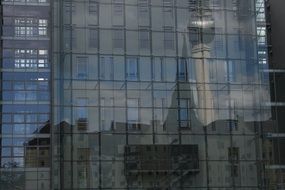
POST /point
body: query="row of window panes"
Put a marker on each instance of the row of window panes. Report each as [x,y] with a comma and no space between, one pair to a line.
[7,151]
[19,151]
[166,4]
[159,113]
[27,1]
[84,153]
[22,129]
[20,141]
[28,86]
[163,100]
[144,32]
[30,52]
[42,86]
[132,110]
[118,39]
[31,22]
[107,68]
[25,53]
[131,102]
[236,43]
[25,96]
[26,76]
[40,108]
[24,118]
[25,63]
[219,29]
[186,69]
[28,31]
[141,125]
[29,161]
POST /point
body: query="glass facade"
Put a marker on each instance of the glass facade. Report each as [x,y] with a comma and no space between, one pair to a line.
[159,94]
[25,95]
[139,94]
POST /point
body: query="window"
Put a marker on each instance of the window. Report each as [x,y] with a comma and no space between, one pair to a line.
[107,113]
[20,63]
[169,39]
[25,95]
[31,95]
[184,112]
[143,8]
[168,13]
[158,69]
[19,118]
[212,70]
[20,21]
[231,105]
[118,39]
[30,58]
[143,12]
[69,7]
[219,43]
[43,52]
[133,110]
[82,113]
[93,38]
[233,156]
[19,86]
[30,31]
[217,3]
[260,17]
[73,38]
[262,57]
[20,31]
[93,7]
[230,71]
[24,92]
[132,69]
[103,113]
[42,63]
[167,3]
[106,68]
[261,36]
[192,3]
[20,52]
[43,27]
[42,31]
[70,37]
[33,52]
[182,70]
[19,129]
[168,8]
[118,8]
[82,63]
[236,40]
[118,13]
[144,39]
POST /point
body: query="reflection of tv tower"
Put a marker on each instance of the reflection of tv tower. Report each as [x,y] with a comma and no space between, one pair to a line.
[201,32]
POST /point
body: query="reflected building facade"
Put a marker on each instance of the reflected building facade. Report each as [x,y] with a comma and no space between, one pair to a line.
[159,94]
[25,95]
